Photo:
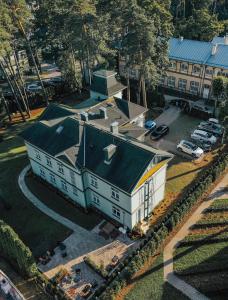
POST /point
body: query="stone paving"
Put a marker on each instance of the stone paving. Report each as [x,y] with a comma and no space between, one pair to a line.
[78,245]
[220,191]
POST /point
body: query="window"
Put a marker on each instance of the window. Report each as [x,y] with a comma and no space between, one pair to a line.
[42,172]
[52,178]
[184,68]
[194,87]
[93,181]
[162,80]
[49,163]
[60,168]
[182,84]
[37,154]
[171,81]
[115,194]
[64,185]
[141,195]
[173,65]
[209,72]
[96,199]
[75,191]
[116,212]
[196,70]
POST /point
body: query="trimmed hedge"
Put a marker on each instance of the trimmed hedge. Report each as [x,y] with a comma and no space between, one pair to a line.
[156,237]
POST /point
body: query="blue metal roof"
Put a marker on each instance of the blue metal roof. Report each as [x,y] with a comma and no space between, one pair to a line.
[218,40]
[198,52]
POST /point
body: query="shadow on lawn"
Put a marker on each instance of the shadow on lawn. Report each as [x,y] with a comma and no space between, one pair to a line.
[182,174]
[187,251]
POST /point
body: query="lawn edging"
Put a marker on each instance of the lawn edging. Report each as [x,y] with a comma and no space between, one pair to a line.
[160,232]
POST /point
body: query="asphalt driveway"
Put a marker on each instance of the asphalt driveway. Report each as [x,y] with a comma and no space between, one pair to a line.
[180,125]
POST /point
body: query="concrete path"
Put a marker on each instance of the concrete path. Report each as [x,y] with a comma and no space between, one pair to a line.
[220,191]
[13,157]
[168,116]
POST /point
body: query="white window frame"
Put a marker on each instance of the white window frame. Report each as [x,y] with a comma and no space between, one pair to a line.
[171,82]
[184,68]
[194,87]
[209,72]
[49,162]
[116,212]
[194,71]
[172,65]
[93,181]
[96,199]
[64,185]
[42,172]
[115,194]
[52,178]
[182,84]
[60,168]
[37,155]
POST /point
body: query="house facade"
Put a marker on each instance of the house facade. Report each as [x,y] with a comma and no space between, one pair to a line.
[95,166]
[193,66]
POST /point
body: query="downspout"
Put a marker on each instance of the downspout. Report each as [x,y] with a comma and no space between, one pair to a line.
[83,170]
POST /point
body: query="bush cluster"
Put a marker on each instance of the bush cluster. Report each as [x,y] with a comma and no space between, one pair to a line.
[156,237]
[13,249]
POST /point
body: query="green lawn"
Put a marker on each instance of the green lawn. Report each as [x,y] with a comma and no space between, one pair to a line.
[37,230]
[62,206]
[151,286]
[201,258]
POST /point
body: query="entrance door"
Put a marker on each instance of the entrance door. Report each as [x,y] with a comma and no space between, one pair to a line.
[206,92]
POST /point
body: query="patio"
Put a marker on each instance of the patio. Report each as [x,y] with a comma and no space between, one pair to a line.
[79,278]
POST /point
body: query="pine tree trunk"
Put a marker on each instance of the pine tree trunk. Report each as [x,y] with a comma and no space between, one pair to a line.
[34,61]
[12,72]
[22,82]
[144,92]
[6,107]
[128,87]
[12,90]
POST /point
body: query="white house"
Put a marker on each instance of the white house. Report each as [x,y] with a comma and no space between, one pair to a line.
[97,159]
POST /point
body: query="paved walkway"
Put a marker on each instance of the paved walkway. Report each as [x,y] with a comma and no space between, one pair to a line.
[79,244]
[13,157]
[168,116]
[220,191]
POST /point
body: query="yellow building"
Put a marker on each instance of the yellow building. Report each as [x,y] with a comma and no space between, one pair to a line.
[193,66]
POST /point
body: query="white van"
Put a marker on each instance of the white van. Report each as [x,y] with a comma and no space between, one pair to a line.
[204,136]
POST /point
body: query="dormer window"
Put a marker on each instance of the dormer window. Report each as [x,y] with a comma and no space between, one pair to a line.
[196,69]
[49,163]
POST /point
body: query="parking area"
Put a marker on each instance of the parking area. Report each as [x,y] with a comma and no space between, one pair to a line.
[180,125]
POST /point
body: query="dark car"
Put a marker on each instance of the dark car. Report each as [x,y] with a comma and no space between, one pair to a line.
[159,132]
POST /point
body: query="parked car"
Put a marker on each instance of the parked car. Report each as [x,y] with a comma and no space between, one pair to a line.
[56,81]
[159,132]
[34,87]
[211,127]
[150,125]
[206,146]
[190,148]
[204,136]
[212,120]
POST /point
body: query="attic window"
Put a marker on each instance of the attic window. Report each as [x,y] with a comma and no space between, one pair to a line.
[59,129]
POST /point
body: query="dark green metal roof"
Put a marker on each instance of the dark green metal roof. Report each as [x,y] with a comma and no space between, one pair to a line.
[73,139]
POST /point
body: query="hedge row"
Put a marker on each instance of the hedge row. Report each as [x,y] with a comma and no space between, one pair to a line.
[156,237]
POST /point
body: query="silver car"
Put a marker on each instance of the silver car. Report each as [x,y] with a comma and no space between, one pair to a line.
[203,136]
[190,148]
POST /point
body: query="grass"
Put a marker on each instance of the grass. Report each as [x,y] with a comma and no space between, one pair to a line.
[28,288]
[202,258]
[151,286]
[37,230]
[203,264]
[60,205]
